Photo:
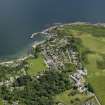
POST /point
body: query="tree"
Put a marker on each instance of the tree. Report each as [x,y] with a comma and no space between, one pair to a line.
[23,80]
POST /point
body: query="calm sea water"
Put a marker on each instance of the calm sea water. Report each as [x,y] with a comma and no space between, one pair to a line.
[20,18]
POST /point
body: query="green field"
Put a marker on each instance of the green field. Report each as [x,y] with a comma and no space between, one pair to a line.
[96,76]
[93,38]
[36,65]
[68,99]
[1,103]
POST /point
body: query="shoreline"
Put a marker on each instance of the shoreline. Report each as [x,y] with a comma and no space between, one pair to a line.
[46,32]
[55,25]
[19,59]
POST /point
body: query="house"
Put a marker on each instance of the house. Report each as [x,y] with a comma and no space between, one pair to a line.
[82,72]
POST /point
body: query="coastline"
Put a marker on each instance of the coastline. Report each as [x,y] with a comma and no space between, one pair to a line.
[46,32]
[55,25]
[19,59]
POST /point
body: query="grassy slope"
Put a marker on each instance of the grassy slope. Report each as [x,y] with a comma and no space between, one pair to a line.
[96,76]
[94,39]
[1,103]
[36,65]
[66,99]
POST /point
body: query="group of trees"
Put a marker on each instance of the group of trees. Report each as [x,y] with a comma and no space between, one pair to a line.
[69,67]
[7,71]
[23,80]
[38,91]
[36,51]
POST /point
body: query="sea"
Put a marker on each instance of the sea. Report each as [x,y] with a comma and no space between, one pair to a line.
[19,19]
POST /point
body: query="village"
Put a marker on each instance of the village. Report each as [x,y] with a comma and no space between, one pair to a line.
[58,52]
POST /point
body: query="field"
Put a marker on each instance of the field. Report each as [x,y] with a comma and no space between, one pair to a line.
[68,99]
[1,103]
[93,38]
[36,65]
[96,76]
